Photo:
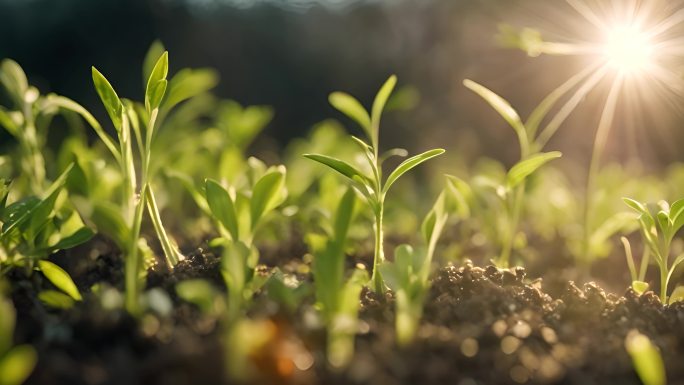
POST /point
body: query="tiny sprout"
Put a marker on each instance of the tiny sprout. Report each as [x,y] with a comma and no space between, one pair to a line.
[372,187]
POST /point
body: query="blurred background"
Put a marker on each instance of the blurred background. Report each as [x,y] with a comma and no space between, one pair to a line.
[290,54]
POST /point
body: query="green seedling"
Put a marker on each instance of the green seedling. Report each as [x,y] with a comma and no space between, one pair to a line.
[531,140]
[658,229]
[32,229]
[16,362]
[638,283]
[239,215]
[646,358]
[338,297]
[408,275]
[134,122]
[372,187]
[27,123]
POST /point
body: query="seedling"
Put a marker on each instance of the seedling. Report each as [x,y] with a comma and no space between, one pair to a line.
[239,215]
[372,187]
[638,283]
[133,121]
[658,229]
[337,297]
[16,362]
[648,363]
[408,275]
[531,142]
[27,123]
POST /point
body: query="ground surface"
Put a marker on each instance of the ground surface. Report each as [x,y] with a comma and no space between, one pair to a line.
[481,326]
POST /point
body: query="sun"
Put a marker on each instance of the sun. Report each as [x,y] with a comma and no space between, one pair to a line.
[629,50]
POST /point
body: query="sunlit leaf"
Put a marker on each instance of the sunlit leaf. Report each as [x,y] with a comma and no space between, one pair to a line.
[60,278]
[351,107]
[109,98]
[646,358]
[156,84]
[501,106]
[56,299]
[527,167]
[340,166]
[266,194]
[17,364]
[408,164]
[222,207]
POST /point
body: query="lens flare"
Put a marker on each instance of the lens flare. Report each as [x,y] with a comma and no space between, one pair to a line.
[629,50]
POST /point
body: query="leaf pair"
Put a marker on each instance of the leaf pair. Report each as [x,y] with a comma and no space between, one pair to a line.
[267,193]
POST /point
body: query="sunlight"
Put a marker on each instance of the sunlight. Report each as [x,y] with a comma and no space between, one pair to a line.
[628,49]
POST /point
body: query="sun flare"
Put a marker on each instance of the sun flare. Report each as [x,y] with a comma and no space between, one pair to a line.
[629,50]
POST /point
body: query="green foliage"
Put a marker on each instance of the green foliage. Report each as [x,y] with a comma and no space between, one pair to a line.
[16,362]
[531,141]
[338,297]
[239,215]
[638,283]
[371,187]
[408,275]
[658,228]
[646,358]
[35,227]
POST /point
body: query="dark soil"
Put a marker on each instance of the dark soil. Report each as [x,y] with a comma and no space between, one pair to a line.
[481,326]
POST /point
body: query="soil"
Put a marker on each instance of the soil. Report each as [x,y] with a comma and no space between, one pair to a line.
[480,326]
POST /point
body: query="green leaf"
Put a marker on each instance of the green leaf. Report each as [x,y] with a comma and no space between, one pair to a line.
[108,220]
[17,365]
[379,105]
[639,287]
[344,215]
[222,207]
[153,54]
[198,292]
[340,166]
[14,80]
[31,214]
[351,107]
[10,125]
[525,168]
[7,323]
[188,83]
[109,98]
[636,206]
[156,84]
[80,236]
[677,215]
[501,106]
[59,278]
[408,164]
[459,197]
[676,296]
[56,299]
[646,358]
[266,195]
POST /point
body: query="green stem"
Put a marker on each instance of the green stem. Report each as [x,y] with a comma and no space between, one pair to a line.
[664,278]
[133,262]
[513,220]
[170,251]
[600,141]
[379,255]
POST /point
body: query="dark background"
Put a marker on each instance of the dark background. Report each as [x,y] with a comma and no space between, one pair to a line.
[292,54]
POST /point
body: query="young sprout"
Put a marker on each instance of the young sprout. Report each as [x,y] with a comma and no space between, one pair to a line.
[531,141]
[372,187]
[239,215]
[27,123]
[638,283]
[16,362]
[648,363]
[337,297]
[408,275]
[32,229]
[657,231]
